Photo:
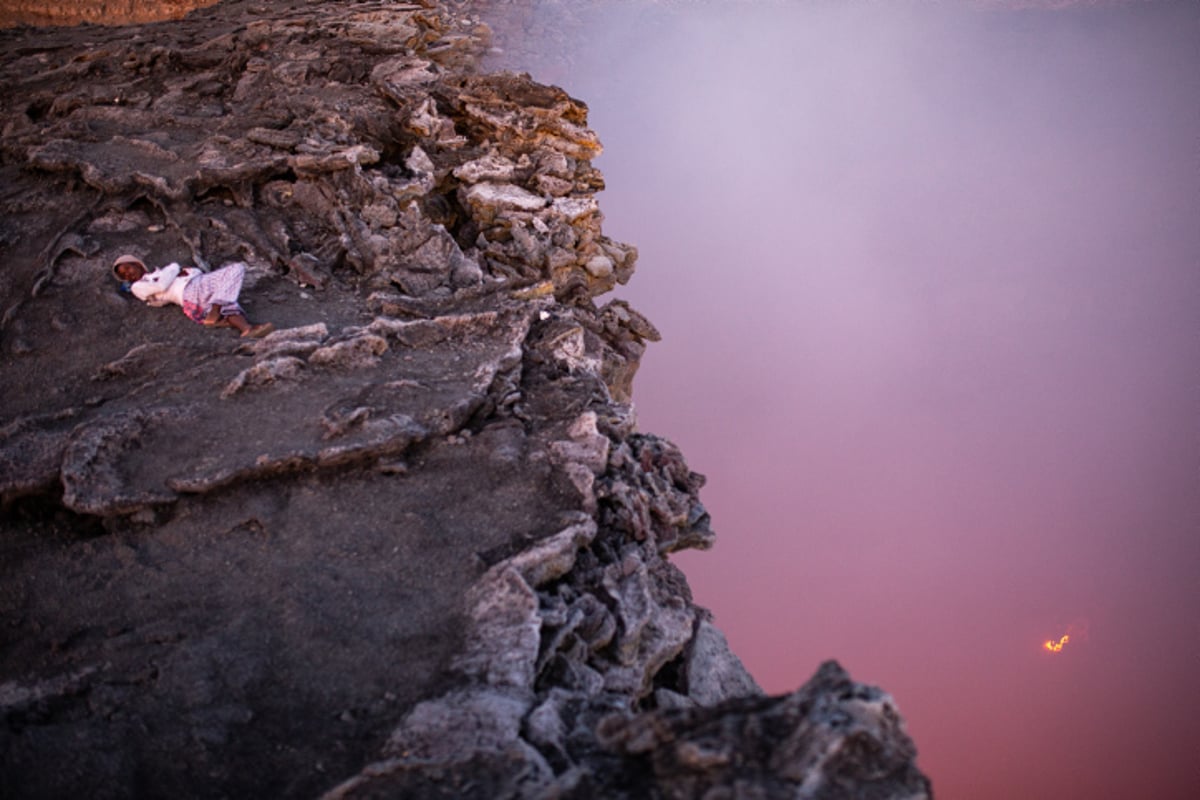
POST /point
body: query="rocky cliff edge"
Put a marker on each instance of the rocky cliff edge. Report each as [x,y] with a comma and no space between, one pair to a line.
[412,543]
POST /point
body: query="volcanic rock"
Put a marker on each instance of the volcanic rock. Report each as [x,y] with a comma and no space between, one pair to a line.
[412,543]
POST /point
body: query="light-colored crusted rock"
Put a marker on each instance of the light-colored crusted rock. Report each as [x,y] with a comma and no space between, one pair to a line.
[409,544]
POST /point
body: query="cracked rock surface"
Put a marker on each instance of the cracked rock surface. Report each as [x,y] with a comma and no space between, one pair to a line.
[410,544]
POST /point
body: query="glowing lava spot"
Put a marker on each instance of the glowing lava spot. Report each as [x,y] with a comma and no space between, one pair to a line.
[1053,646]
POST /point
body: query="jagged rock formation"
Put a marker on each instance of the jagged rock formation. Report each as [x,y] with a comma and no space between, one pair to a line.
[410,544]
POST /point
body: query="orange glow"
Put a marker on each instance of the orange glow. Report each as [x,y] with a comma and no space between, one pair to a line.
[1054,646]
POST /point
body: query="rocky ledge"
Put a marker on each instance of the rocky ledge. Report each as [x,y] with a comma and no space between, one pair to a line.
[410,544]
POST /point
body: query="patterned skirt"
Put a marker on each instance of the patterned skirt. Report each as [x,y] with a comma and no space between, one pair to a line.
[220,287]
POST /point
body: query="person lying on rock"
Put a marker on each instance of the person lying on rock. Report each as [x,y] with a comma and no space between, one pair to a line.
[209,298]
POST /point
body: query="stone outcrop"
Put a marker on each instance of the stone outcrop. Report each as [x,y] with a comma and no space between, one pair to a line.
[412,543]
[104,12]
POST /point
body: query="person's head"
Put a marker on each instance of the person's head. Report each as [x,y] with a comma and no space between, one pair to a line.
[128,268]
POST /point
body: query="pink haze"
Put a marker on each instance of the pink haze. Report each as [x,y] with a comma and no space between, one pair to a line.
[928,277]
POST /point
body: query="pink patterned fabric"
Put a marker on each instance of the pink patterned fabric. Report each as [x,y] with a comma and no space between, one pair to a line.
[219,287]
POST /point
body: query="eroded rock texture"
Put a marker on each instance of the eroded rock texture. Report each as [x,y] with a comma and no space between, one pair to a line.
[105,12]
[410,544]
